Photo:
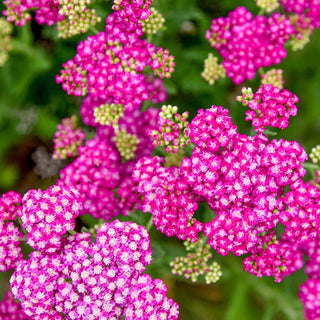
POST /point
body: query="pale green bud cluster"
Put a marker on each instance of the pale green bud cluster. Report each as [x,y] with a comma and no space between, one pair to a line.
[174,159]
[196,264]
[153,23]
[273,77]
[315,154]
[300,39]
[5,32]
[246,97]
[268,5]
[78,18]
[212,69]
[172,132]
[108,114]
[126,144]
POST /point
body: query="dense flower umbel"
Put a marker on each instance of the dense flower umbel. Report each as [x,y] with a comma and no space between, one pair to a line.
[49,214]
[153,23]
[172,129]
[273,77]
[310,290]
[47,11]
[112,61]
[311,7]
[168,198]
[212,69]
[268,5]
[94,280]
[248,43]
[95,172]
[5,32]
[67,139]
[243,180]
[303,30]
[71,17]
[196,263]
[10,309]
[77,17]
[272,257]
[271,106]
[10,236]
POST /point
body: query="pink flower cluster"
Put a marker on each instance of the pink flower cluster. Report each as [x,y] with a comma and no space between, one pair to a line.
[310,7]
[108,66]
[248,43]
[244,180]
[271,106]
[310,290]
[274,257]
[168,198]
[10,309]
[46,11]
[48,215]
[10,235]
[95,172]
[94,280]
[67,139]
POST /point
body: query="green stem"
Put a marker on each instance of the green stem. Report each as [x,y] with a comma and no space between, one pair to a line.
[310,166]
[149,224]
[94,30]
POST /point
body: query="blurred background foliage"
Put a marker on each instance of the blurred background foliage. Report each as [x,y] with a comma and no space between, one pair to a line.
[32,104]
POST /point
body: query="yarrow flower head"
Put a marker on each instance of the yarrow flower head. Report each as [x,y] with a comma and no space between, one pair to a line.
[273,77]
[268,5]
[196,263]
[46,11]
[10,235]
[108,114]
[212,69]
[153,23]
[109,66]
[315,154]
[168,198]
[101,278]
[95,173]
[274,257]
[172,131]
[10,309]
[303,30]
[310,7]
[77,18]
[271,106]
[67,139]
[211,129]
[5,32]
[126,144]
[248,43]
[48,215]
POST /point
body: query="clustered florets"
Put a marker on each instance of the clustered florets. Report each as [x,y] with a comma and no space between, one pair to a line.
[269,106]
[71,17]
[10,235]
[88,280]
[172,129]
[47,215]
[67,139]
[248,43]
[109,66]
[244,180]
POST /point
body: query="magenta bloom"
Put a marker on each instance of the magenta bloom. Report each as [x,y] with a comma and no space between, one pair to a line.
[103,279]
[10,236]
